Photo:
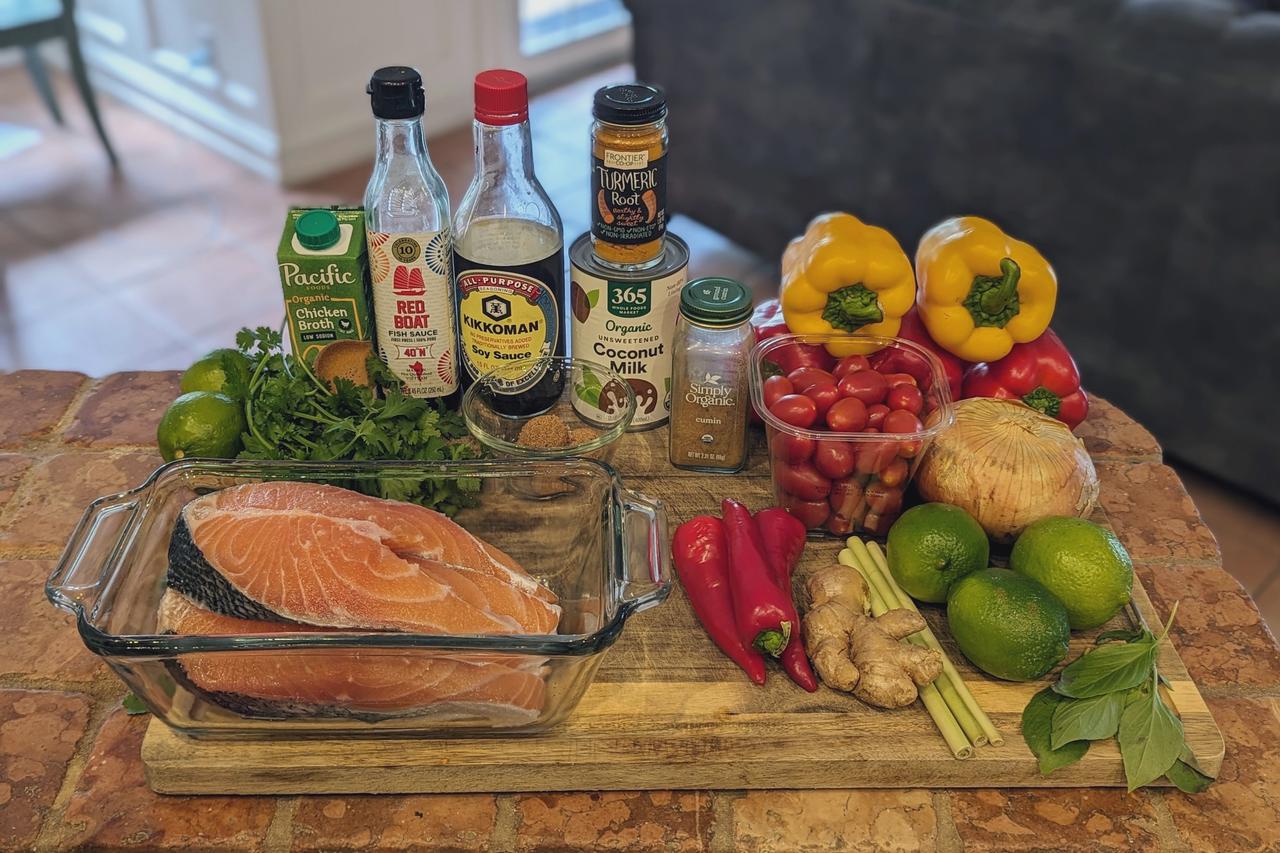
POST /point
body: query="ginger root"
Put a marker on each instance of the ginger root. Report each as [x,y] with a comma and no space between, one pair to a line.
[859,654]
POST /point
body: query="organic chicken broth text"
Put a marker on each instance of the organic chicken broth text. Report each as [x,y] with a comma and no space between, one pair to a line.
[627,321]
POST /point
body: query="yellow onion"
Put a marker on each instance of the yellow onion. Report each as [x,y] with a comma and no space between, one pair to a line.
[1008,465]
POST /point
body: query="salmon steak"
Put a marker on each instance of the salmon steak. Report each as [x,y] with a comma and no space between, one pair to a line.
[370,683]
[288,552]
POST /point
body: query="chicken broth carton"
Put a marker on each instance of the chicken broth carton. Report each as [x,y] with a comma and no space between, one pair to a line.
[323,263]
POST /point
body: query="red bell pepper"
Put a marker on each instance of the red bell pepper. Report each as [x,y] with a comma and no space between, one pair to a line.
[702,562]
[765,615]
[1040,373]
[893,360]
[783,537]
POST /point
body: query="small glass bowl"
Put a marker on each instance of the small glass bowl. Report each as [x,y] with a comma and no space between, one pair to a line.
[594,403]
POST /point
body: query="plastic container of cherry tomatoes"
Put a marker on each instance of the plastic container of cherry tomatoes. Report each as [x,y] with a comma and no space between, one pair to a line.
[846,469]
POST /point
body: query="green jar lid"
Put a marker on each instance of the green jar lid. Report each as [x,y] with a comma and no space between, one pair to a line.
[716,301]
[317,229]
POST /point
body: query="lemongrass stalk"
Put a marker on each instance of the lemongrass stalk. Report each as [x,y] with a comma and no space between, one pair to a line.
[950,693]
[993,735]
[933,702]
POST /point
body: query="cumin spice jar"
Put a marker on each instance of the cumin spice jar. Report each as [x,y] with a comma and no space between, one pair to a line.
[709,376]
[629,175]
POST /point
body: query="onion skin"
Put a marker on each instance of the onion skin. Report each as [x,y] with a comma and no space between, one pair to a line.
[1008,465]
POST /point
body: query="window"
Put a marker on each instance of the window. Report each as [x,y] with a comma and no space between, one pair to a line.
[548,24]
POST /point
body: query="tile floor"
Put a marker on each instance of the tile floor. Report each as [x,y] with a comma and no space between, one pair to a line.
[152,268]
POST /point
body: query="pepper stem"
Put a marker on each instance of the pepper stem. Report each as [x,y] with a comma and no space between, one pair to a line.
[993,300]
[1043,400]
[771,641]
[850,308]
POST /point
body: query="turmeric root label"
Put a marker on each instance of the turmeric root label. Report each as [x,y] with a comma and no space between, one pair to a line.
[629,197]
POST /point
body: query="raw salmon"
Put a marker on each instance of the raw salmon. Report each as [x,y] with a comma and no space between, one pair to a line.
[410,529]
[372,682]
[302,556]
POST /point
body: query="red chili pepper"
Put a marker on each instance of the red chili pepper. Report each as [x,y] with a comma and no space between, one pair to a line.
[765,615]
[701,556]
[783,536]
[1040,373]
[893,360]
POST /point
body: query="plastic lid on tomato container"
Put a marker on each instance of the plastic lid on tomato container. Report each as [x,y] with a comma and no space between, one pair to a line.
[502,97]
[317,229]
[716,301]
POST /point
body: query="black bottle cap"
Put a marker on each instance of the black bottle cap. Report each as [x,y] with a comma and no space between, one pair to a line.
[630,103]
[396,92]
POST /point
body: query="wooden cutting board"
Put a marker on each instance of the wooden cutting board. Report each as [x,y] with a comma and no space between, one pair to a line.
[668,711]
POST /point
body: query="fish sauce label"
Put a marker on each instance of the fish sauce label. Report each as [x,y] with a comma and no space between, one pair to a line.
[505,317]
[413,309]
[629,193]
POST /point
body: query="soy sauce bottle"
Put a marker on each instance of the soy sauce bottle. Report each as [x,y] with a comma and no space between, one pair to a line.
[509,281]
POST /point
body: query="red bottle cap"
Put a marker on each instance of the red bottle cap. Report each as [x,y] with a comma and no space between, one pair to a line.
[502,97]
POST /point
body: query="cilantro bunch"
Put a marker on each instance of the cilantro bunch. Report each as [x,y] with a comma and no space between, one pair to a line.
[292,415]
[1113,691]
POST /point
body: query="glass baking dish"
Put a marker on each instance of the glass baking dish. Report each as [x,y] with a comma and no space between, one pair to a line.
[570,522]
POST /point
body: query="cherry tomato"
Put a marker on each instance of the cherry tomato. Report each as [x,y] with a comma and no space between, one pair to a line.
[792,448]
[905,398]
[847,415]
[802,377]
[851,364]
[895,473]
[875,456]
[775,387]
[823,395]
[867,385]
[884,499]
[813,514]
[901,421]
[801,480]
[834,459]
[875,415]
[902,360]
[895,379]
[847,506]
[795,409]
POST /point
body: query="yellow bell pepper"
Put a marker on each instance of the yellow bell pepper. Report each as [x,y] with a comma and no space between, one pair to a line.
[845,277]
[982,291]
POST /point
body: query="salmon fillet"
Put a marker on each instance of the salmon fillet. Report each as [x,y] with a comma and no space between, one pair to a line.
[410,529]
[368,682]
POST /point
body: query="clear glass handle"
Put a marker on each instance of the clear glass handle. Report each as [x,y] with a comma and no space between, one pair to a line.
[647,560]
[75,583]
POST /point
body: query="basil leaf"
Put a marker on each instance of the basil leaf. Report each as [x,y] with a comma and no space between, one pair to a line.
[1095,718]
[1108,668]
[1150,736]
[133,705]
[1188,778]
[1037,723]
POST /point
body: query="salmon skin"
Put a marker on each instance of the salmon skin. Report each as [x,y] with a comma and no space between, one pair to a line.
[370,685]
[319,555]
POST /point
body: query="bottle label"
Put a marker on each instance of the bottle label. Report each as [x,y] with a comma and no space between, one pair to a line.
[630,192]
[503,318]
[413,309]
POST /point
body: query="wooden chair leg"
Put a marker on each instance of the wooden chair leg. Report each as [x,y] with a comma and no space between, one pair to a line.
[40,77]
[81,74]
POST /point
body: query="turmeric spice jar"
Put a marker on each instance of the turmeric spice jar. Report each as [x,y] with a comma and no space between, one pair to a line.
[629,175]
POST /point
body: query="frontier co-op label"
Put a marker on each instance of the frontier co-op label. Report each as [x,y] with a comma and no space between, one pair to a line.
[628,326]
[413,309]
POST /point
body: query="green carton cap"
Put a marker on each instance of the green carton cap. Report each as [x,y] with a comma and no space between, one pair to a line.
[317,229]
[716,301]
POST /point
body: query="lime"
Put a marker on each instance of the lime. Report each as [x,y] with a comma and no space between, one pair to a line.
[932,546]
[1008,625]
[210,373]
[201,423]
[1083,564]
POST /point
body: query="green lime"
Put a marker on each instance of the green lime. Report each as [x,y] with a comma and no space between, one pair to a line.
[1008,625]
[932,546]
[1083,564]
[201,423]
[210,373]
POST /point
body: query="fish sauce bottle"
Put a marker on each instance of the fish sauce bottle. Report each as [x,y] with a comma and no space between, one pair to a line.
[406,208]
[509,257]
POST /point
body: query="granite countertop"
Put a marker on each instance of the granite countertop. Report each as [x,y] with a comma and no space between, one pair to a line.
[73,777]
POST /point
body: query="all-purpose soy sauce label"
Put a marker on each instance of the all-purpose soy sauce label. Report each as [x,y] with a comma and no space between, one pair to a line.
[630,192]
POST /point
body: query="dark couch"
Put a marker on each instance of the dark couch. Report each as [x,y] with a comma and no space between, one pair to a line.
[1136,142]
